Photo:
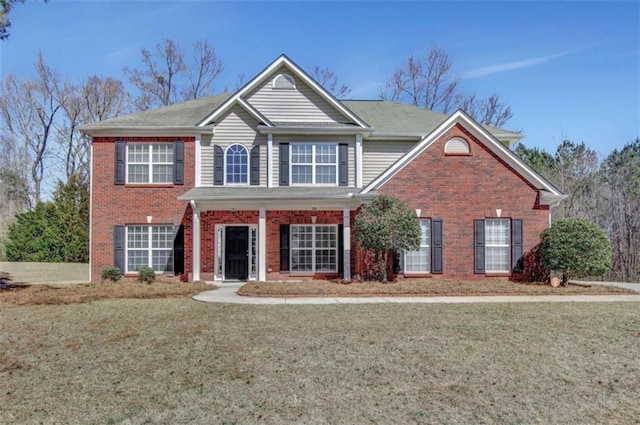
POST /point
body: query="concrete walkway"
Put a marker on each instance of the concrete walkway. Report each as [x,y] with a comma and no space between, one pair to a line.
[227,293]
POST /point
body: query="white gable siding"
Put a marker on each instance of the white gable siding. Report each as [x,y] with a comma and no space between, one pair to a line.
[378,155]
[351,152]
[301,104]
[237,126]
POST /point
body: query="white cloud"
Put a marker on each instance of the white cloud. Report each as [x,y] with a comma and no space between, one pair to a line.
[510,66]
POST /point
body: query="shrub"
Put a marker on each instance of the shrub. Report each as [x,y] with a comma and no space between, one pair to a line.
[384,226]
[575,247]
[146,274]
[111,273]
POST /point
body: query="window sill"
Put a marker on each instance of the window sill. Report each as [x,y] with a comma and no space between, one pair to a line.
[150,185]
[498,274]
[417,275]
[457,154]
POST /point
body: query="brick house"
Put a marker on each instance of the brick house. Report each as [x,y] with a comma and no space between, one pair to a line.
[265,184]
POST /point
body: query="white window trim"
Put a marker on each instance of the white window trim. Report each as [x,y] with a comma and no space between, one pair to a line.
[313,163]
[428,245]
[149,163]
[487,245]
[219,261]
[313,249]
[149,248]
[225,165]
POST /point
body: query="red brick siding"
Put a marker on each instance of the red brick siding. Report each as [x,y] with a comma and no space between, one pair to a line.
[131,204]
[459,189]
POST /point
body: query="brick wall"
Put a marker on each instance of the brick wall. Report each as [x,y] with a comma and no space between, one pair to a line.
[461,188]
[131,204]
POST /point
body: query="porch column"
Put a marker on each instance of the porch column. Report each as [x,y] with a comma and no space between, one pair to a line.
[262,245]
[359,160]
[195,250]
[269,160]
[346,243]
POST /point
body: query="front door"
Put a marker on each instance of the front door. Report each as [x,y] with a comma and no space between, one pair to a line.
[236,252]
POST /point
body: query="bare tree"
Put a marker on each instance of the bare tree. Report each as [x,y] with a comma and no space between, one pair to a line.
[29,110]
[426,83]
[202,71]
[166,77]
[95,99]
[329,80]
[621,195]
[489,111]
[429,83]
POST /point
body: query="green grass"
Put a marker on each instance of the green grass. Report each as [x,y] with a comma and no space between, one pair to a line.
[173,361]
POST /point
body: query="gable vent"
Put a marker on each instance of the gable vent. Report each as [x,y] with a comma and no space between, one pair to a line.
[284,81]
[457,145]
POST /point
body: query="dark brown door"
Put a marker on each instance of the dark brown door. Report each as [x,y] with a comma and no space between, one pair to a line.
[236,252]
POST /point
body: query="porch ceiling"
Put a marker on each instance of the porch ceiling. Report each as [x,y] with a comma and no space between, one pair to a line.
[280,198]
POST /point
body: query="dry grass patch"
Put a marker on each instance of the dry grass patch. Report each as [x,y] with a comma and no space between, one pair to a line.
[176,361]
[423,287]
[75,294]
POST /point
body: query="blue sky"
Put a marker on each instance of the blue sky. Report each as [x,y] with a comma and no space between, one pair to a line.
[568,69]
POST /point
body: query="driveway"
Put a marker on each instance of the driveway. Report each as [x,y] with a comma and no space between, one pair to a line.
[57,273]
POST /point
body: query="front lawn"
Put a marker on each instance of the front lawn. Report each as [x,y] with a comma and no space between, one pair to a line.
[423,287]
[23,294]
[176,361]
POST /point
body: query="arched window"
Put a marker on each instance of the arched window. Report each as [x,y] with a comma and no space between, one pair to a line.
[237,168]
[284,81]
[457,146]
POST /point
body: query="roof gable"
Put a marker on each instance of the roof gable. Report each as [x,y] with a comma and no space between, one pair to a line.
[316,94]
[549,191]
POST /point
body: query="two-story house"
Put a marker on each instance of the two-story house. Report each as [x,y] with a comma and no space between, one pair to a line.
[265,184]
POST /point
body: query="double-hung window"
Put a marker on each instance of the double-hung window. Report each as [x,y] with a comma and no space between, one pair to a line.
[314,163]
[420,261]
[150,162]
[314,248]
[149,246]
[497,245]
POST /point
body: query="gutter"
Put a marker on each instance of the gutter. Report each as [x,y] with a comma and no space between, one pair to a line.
[169,130]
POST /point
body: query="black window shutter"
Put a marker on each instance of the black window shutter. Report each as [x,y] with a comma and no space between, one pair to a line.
[340,248]
[284,164]
[178,249]
[254,168]
[343,164]
[478,245]
[178,162]
[436,246]
[118,247]
[284,247]
[218,166]
[517,243]
[120,162]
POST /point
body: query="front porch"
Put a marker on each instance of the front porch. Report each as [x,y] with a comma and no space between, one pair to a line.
[242,235]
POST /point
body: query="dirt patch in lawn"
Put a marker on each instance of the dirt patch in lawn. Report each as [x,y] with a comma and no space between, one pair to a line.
[419,287]
[22,294]
[176,361]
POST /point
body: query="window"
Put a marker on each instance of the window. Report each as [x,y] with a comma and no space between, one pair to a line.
[420,261]
[314,248]
[315,163]
[284,81]
[150,246]
[497,245]
[150,162]
[236,165]
[457,146]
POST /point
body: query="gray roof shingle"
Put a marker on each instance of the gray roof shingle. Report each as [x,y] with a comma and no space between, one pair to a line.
[383,116]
